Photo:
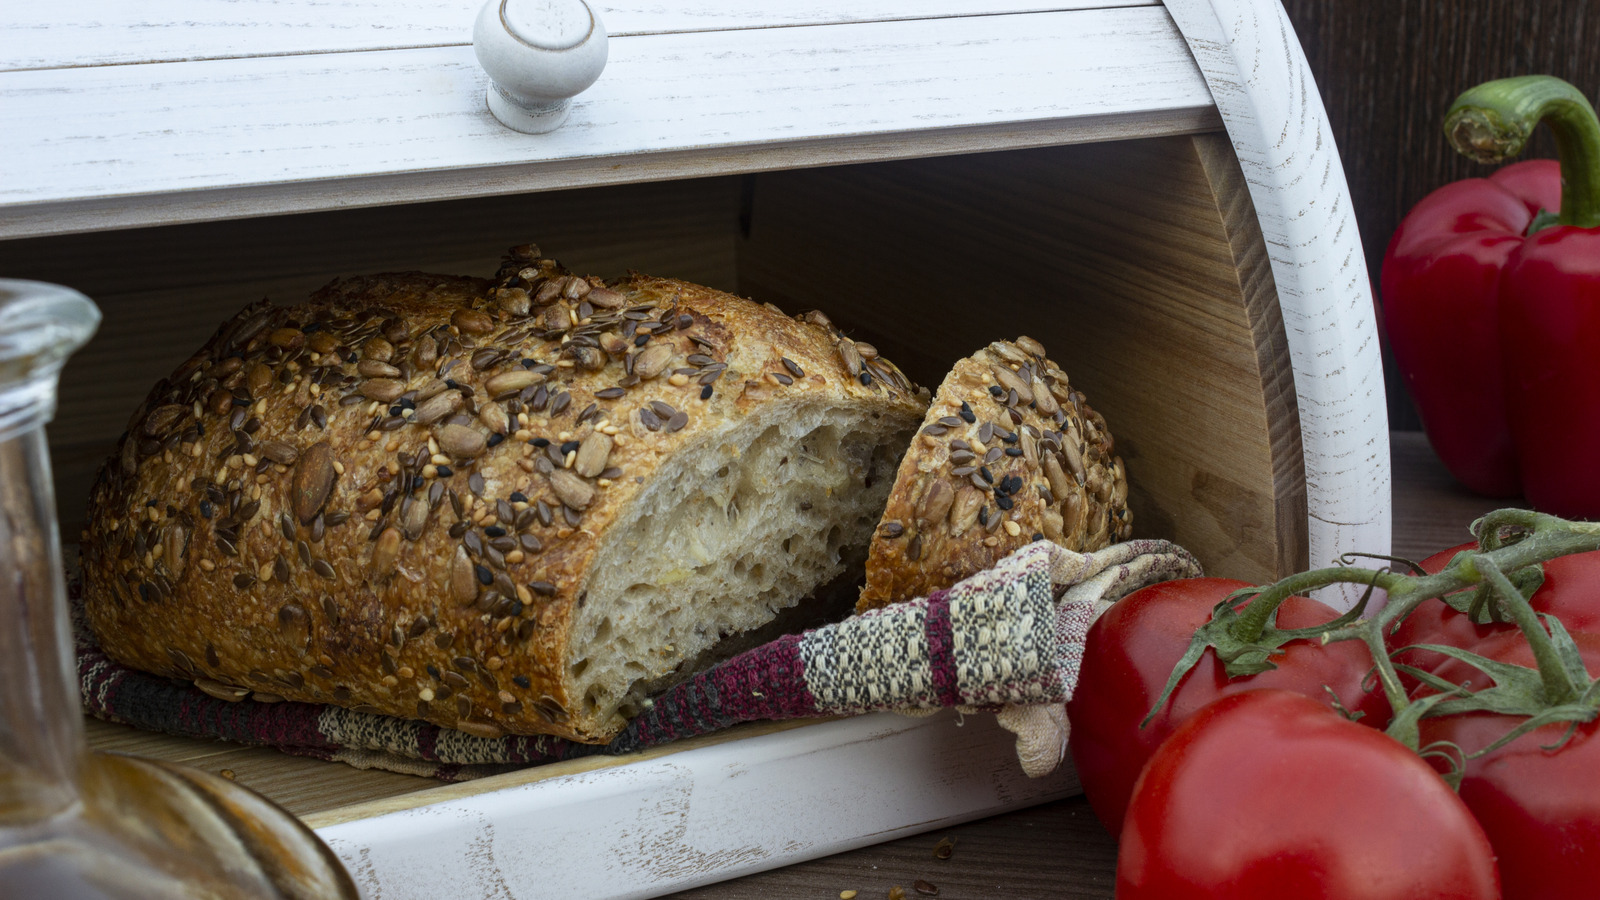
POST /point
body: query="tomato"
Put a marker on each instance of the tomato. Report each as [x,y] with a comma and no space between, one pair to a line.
[1269,794]
[1570,592]
[1130,652]
[1540,807]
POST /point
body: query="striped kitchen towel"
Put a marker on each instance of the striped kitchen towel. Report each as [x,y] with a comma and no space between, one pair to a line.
[1008,639]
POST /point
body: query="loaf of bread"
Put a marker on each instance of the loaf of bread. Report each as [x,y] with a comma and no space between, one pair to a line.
[516,505]
[1008,454]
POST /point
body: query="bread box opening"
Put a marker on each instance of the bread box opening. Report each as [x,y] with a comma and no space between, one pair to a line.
[1138,264]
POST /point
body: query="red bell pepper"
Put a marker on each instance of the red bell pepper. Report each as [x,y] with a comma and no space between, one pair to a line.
[1491,303]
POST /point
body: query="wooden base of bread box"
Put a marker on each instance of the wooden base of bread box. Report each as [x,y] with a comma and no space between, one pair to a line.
[702,810]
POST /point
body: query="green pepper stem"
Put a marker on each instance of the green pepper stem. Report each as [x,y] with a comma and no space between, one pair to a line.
[1492,122]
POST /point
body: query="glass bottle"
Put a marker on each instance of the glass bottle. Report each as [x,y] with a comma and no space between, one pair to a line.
[75,822]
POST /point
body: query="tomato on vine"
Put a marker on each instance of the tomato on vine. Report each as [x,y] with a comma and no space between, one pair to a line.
[1537,796]
[1269,794]
[1129,656]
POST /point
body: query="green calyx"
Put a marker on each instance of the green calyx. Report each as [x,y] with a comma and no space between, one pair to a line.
[1492,122]
[1492,583]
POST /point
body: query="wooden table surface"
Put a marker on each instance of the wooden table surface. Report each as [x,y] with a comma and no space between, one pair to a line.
[1057,850]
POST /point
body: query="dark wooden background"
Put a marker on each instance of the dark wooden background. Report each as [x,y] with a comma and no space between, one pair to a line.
[1388,69]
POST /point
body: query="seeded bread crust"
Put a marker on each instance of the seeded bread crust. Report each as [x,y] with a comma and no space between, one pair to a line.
[1008,454]
[392,496]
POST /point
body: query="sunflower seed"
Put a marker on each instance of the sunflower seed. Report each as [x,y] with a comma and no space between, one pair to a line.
[494,416]
[221,691]
[1011,381]
[936,503]
[1030,345]
[571,489]
[460,441]
[472,321]
[312,481]
[463,578]
[438,407]
[280,452]
[605,298]
[385,551]
[511,381]
[851,356]
[1074,460]
[592,454]
[372,368]
[384,390]
[413,518]
[653,360]
[964,512]
[1041,398]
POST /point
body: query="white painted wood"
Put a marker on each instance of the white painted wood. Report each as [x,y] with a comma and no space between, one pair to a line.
[699,816]
[37,35]
[1275,119]
[123,146]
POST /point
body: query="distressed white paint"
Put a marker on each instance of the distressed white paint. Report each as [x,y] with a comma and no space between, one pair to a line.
[37,35]
[124,146]
[1257,72]
[699,816]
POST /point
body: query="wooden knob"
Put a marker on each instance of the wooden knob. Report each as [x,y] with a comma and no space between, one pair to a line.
[539,55]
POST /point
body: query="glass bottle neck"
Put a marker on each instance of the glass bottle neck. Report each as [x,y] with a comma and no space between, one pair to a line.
[41,726]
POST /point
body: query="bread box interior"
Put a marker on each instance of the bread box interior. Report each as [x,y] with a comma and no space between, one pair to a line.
[1138,264]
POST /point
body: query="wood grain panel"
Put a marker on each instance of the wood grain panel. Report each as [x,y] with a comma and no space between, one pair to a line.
[163,291]
[1138,266]
[115,32]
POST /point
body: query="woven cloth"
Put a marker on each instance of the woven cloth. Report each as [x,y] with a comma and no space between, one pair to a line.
[1008,639]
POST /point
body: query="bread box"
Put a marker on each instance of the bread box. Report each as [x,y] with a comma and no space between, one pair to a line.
[1149,189]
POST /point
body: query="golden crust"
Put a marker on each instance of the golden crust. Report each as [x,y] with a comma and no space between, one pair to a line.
[1008,454]
[388,497]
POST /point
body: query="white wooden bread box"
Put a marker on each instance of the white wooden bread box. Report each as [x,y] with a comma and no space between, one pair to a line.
[1149,189]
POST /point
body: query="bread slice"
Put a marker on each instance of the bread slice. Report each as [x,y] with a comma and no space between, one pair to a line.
[1008,454]
[505,506]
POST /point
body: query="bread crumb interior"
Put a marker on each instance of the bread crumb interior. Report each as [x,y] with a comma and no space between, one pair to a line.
[740,527]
